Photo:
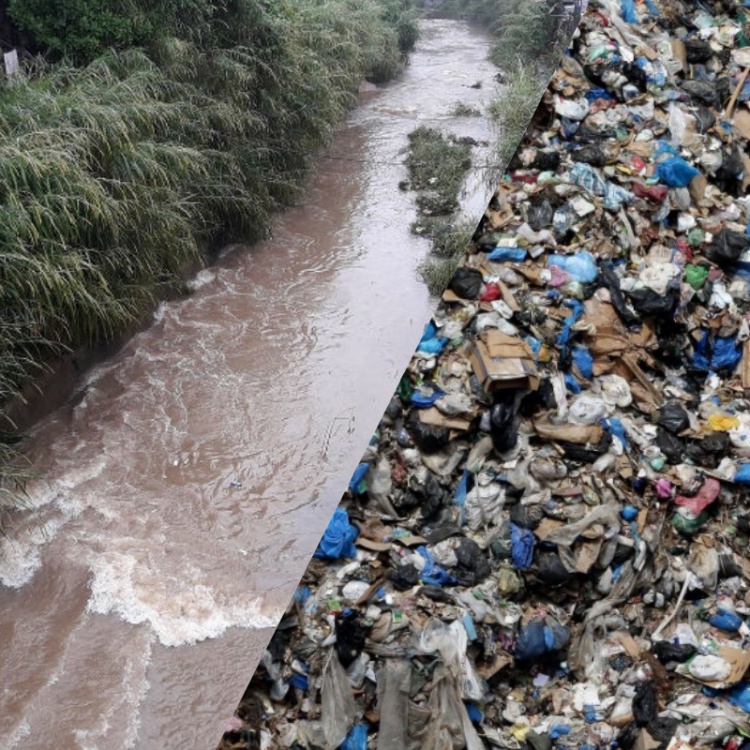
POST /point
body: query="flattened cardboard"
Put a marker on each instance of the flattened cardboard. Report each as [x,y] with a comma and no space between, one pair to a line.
[500,361]
[571,433]
[435,418]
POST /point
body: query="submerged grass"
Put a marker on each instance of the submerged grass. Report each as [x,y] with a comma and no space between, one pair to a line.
[437,165]
[117,176]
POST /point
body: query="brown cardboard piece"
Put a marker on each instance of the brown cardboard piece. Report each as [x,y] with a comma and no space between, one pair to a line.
[435,418]
[646,742]
[571,433]
[500,361]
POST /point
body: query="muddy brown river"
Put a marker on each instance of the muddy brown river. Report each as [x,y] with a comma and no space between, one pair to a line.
[192,474]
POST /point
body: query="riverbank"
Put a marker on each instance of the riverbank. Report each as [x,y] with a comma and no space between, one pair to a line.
[130,169]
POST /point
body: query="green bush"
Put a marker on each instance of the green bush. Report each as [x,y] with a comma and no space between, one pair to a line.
[79,29]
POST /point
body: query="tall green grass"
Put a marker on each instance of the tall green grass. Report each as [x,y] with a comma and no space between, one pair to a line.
[116,177]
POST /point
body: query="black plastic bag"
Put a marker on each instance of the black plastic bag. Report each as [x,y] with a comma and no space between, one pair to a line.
[667,652]
[526,516]
[701,91]
[551,570]
[698,51]
[662,730]
[591,154]
[670,445]
[429,439]
[587,454]
[627,738]
[404,577]
[350,639]
[651,304]
[644,704]
[673,417]
[473,567]
[727,247]
[546,161]
[503,427]
[466,283]
[611,282]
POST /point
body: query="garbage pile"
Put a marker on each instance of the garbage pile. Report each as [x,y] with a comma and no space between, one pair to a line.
[545,543]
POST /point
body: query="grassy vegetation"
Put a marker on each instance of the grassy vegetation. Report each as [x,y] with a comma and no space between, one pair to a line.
[449,241]
[461,109]
[437,167]
[115,176]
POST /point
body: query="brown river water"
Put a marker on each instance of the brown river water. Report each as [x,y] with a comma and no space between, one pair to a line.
[136,600]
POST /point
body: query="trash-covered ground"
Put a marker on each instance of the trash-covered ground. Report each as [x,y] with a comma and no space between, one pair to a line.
[544,546]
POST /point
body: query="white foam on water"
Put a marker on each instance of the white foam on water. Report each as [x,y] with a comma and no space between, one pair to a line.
[21,731]
[201,279]
[180,612]
[20,556]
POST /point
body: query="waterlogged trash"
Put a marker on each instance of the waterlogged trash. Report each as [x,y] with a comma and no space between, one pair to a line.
[545,546]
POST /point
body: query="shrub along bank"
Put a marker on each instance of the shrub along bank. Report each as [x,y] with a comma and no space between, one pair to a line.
[120,165]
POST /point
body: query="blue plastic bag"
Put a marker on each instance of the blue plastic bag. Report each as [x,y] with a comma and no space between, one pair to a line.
[583,360]
[462,490]
[725,353]
[740,696]
[356,739]
[617,429]
[509,254]
[564,335]
[743,474]
[629,513]
[580,267]
[572,384]
[338,539]
[432,574]
[431,343]
[539,638]
[676,172]
[522,547]
[629,13]
[357,482]
[725,620]
[424,401]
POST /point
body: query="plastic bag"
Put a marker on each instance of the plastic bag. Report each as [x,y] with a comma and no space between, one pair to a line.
[522,547]
[503,428]
[466,282]
[394,683]
[644,704]
[673,417]
[727,247]
[676,172]
[629,14]
[667,652]
[338,539]
[507,254]
[356,739]
[339,711]
[429,439]
[580,267]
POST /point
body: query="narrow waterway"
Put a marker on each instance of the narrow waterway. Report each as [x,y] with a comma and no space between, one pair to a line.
[190,478]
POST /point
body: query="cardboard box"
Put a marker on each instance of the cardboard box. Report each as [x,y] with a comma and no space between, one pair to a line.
[500,361]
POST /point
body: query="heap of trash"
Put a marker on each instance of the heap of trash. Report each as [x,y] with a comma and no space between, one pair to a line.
[544,545]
